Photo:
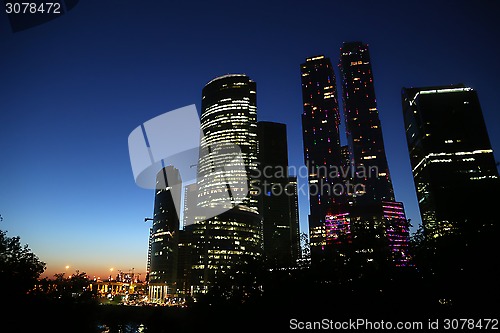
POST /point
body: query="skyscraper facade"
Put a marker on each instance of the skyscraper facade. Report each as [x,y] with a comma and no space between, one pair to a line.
[378,222]
[397,232]
[277,197]
[364,222]
[364,132]
[228,147]
[322,151]
[454,170]
[184,261]
[190,204]
[228,241]
[370,234]
[164,236]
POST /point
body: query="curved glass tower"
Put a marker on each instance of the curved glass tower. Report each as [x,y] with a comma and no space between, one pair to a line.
[227,228]
[228,147]
[164,235]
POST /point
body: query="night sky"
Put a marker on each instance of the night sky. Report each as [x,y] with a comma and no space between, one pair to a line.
[74,88]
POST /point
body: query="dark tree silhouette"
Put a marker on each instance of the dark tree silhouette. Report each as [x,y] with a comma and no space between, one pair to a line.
[238,285]
[457,268]
[71,289]
[20,268]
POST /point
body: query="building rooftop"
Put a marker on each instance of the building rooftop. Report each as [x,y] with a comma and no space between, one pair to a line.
[225,77]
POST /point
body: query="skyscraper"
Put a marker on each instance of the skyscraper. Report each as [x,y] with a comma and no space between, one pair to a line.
[278,197]
[453,166]
[184,261]
[396,231]
[228,147]
[369,234]
[364,132]
[164,235]
[376,219]
[364,223]
[457,184]
[228,241]
[190,203]
[322,151]
[186,246]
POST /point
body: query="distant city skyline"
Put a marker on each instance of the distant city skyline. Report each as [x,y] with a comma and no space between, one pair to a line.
[75,87]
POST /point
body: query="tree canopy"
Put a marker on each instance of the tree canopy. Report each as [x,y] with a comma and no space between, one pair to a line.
[19,266]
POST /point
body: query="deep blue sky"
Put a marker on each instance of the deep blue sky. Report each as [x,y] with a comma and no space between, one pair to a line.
[74,88]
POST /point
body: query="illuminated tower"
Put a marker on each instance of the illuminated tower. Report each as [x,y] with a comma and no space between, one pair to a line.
[164,235]
[361,223]
[322,151]
[377,221]
[453,166]
[227,242]
[364,132]
[229,141]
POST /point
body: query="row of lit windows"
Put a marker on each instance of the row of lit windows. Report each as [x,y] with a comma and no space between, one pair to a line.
[428,156]
[215,119]
[224,224]
[230,136]
[229,110]
[234,105]
[438,91]
[162,233]
[227,106]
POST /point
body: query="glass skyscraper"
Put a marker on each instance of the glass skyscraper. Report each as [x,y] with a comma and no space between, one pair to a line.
[364,132]
[363,219]
[227,233]
[228,147]
[322,150]
[278,202]
[164,235]
[374,213]
[453,166]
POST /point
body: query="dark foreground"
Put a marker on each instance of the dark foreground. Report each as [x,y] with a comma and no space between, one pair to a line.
[37,315]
